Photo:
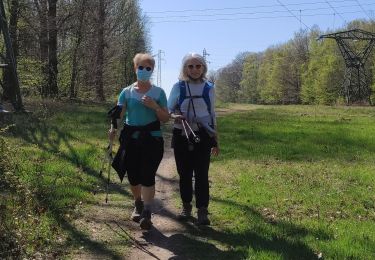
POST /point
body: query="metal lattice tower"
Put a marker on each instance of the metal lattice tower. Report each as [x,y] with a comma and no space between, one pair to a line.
[355,86]
[205,54]
[160,52]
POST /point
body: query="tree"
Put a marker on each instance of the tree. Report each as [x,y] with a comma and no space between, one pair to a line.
[229,78]
[212,75]
[52,49]
[41,9]
[12,89]
[13,20]
[100,45]
[268,84]
[249,84]
[77,40]
[324,74]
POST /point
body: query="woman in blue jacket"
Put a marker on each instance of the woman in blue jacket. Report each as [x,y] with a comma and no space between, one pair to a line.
[192,104]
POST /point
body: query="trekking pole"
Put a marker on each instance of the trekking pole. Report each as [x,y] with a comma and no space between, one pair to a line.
[114,114]
[190,145]
[196,138]
[110,159]
[105,158]
[109,169]
[183,125]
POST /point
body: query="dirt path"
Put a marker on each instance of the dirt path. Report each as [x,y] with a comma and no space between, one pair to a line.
[156,241]
[103,229]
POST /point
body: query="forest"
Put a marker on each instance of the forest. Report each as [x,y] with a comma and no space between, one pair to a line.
[75,49]
[303,70]
[83,50]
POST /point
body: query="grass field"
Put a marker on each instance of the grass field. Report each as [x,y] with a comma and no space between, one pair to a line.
[292,182]
[296,182]
[55,156]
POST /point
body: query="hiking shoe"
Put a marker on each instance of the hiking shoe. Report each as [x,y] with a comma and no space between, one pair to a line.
[203,217]
[186,211]
[138,208]
[145,222]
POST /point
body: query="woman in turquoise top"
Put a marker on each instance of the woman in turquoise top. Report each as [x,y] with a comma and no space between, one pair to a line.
[144,106]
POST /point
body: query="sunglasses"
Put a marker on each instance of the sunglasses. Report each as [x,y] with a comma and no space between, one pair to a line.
[197,66]
[147,68]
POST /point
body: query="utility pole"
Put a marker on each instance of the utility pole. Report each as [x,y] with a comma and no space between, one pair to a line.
[205,54]
[158,79]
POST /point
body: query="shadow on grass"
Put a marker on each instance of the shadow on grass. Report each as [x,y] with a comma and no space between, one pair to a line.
[284,240]
[205,242]
[265,135]
[49,194]
[197,243]
[208,243]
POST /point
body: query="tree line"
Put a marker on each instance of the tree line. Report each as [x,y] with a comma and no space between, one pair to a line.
[77,49]
[300,71]
[83,49]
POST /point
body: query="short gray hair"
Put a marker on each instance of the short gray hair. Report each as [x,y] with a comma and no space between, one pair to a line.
[188,57]
[143,57]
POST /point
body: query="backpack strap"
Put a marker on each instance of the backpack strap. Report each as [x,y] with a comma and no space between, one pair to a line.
[205,94]
[182,96]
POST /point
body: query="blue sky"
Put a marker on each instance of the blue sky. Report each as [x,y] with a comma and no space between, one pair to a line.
[226,28]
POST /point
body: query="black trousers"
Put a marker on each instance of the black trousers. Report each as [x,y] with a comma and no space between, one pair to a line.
[193,162]
[143,159]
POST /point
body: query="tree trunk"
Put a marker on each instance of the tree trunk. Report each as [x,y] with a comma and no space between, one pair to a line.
[100,53]
[41,7]
[13,20]
[13,90]
[52,49]
[78,35]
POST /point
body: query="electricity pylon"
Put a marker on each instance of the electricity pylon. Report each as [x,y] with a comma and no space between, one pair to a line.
[160,52]
[205,54]
[355,86]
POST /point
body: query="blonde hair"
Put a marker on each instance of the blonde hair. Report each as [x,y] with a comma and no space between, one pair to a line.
[184,69]
[139,57]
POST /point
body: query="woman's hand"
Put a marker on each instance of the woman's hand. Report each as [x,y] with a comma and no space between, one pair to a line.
[161,113]
[177,118]
[149,102]
[112,134]
[215,151]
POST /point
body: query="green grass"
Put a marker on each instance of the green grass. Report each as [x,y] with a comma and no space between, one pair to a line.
[54,155]
[294,182]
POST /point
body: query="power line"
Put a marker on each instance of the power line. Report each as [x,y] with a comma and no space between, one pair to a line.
[300,20]
[243,7]
[246,13]
[363,9]
[252,18]
[336,11]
